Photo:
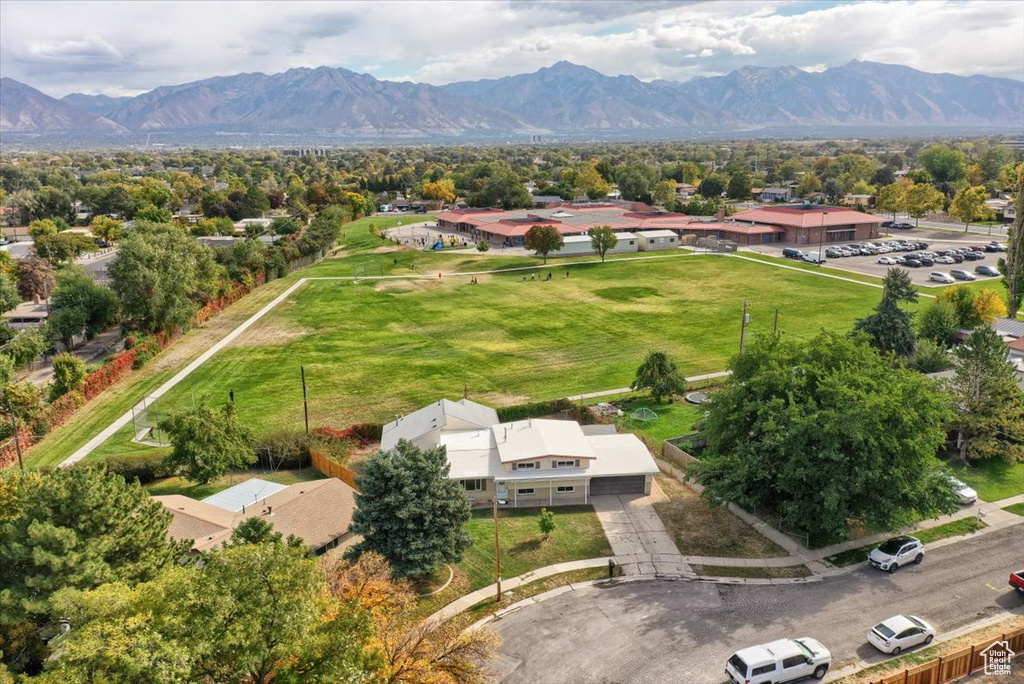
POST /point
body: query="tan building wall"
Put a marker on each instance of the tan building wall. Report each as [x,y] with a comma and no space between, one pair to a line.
[543,493]
[546,464]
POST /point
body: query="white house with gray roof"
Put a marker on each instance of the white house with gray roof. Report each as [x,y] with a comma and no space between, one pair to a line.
[533,462]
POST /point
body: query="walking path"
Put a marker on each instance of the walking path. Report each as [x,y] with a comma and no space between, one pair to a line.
[625,390]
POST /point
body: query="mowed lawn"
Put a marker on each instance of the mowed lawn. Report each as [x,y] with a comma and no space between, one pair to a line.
[378,349]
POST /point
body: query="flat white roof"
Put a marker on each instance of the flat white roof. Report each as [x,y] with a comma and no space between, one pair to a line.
[656,233]
[243,494]
[576,238]
[538,438]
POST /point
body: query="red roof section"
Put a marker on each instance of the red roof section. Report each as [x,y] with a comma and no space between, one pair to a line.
[794,217]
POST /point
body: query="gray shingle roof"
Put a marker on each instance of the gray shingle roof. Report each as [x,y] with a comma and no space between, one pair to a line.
[429,418]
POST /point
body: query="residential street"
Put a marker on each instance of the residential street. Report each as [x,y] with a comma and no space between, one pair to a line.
[659,631]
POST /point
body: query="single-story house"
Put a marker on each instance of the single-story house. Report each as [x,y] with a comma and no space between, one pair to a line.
[582,244]
[319,512]
[654,240]
[774,195]
[533,462]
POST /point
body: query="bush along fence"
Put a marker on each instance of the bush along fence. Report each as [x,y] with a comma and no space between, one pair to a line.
[538,409]
[990,656]
[329,448]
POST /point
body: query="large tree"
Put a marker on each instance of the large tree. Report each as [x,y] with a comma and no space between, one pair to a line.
[988,402]
[922,198]
[1012,266]
[543,240]
[825,432]
[712,186]
[255,613]
[207,443]
[412,650]
[893,198]
[409,511]
[943,164]
[35,278]
[891,328]
[658,373]
[73,527]
[969,205]
[80,305]
[740,185]
[602,238]
[162,277]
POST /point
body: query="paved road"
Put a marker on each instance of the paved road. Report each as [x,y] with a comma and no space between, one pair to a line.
[654,632]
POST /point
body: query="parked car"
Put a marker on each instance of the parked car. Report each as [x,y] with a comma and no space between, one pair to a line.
[920,245]
[902,226]
[973,256]
[896,552]
[941,277]
[791,253]
[912,262]
[1017,581]
[833,253]
[977,248]
[887,260]
[995,247]
[813,258]
[957,257]
[944,260]
[925,260]
[784,660]
[961,275]
[986,270]
[899,633]
[965,494]
[887,224]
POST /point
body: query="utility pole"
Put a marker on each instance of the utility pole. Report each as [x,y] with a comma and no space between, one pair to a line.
[14,426]
[497,545]
[743,328]
[305,397]
[775,325]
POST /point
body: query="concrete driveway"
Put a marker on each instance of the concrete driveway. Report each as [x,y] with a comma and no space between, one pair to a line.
[633,528]
[661,631]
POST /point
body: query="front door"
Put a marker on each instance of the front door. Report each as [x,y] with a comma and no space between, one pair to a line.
[502,491]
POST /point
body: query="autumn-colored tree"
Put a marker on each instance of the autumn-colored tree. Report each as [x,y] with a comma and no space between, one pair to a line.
[543,240]
[413,651]
[989,305]
[969,205]
[36,278]
[105,228]
[922,198]
[443,190]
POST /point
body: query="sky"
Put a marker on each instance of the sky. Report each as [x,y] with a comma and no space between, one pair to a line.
[128,47]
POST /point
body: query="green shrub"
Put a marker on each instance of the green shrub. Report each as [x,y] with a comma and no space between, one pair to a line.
[68,375]
[483,246]
[145,349]
[145,469]
[284,449]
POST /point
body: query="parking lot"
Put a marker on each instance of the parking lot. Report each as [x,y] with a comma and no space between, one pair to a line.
[936,243]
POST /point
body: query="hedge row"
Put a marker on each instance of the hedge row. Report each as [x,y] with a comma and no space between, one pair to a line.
[538,409]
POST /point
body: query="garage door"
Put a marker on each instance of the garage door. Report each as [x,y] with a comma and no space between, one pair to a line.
[630,484]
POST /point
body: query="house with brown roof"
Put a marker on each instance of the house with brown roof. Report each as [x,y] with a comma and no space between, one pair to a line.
[812,224]
[318,512]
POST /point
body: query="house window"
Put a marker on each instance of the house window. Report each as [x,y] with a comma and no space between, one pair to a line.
[566,464]
[565,489]
[532,465]
[474,485]
[525,491]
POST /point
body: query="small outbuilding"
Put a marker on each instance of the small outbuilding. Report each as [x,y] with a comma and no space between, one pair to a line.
[655,240]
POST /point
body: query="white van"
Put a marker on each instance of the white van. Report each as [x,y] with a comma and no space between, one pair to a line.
[785,660]
[940,277]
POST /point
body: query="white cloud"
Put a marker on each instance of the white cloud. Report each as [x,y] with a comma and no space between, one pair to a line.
[114,47]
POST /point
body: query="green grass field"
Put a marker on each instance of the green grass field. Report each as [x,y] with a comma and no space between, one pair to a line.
[377,349]
[994,480]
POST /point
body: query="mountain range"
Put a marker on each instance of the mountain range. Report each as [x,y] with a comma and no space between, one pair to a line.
[563,99]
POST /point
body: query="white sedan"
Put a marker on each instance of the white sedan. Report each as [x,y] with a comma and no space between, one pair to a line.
[899,633]
[887,260]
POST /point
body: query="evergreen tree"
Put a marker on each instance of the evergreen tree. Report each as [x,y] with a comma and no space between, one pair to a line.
[989,404]
[658,373]
[408,510]
[890,328]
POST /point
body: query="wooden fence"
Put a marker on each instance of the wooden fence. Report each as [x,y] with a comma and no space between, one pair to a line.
[332,469]
[676,456]
[953,666]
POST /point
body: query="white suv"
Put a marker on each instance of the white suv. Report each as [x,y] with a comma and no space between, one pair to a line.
[785,660]
[896,552]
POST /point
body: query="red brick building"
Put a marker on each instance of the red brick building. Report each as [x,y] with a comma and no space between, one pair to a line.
[811,224]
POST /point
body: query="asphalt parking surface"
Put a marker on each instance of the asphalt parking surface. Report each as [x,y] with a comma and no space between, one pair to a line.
[683,632]
[868,265]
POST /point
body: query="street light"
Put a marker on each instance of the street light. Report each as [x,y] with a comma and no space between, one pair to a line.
[821,234]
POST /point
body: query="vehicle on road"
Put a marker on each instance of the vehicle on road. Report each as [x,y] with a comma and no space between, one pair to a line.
[784,660]
[899,633]
[987,270]
[902,226]
[1017,581]
[940,277]
[961,275]
[791,253]
[887,224]
[965,494]
[890,555]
